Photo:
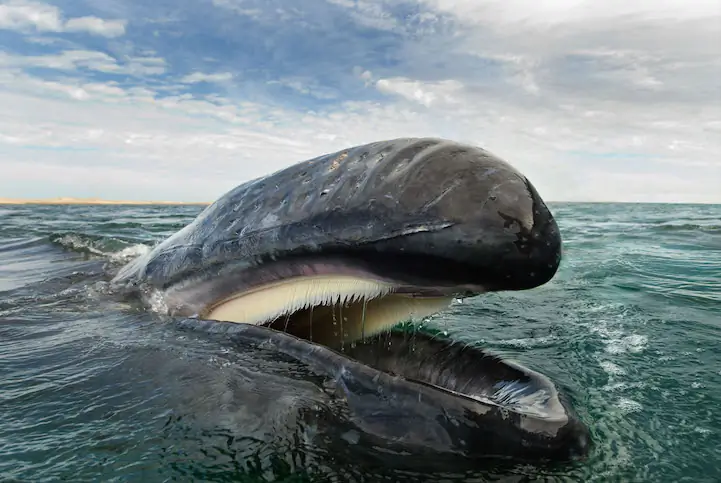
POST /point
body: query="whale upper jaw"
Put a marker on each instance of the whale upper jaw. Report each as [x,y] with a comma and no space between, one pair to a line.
[434,209]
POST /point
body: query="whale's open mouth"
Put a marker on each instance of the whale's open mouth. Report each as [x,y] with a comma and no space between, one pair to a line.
[349,325]
[332,310]
[329,300]
[344,304]
[352,311]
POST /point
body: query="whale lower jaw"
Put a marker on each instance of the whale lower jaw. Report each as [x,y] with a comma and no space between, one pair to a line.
[328,309]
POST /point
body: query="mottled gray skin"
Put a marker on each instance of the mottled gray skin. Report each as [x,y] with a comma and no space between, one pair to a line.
[433,217]
[408,394]
[470,220]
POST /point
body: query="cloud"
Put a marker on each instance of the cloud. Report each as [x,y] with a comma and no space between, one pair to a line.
[95,25]
[612,101]
[424,93]
[74,60]
[24,15]
[197,77]
[28,15]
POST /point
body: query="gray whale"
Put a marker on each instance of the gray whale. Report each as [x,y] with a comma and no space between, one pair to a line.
[321,260]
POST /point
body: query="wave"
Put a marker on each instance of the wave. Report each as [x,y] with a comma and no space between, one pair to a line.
[111,248]
[688,227]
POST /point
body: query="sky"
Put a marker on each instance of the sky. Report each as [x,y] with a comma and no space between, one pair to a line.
[184,99]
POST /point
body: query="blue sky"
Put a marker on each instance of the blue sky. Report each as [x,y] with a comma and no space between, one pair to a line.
[184,99]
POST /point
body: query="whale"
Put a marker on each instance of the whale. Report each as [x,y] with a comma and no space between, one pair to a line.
[329,261]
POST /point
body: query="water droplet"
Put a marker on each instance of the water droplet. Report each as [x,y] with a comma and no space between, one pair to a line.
[310,322]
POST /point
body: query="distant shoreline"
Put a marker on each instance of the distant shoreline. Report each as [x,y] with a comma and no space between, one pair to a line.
[93,201]
[98,201]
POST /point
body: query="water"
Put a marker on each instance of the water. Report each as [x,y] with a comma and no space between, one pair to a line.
[94,388]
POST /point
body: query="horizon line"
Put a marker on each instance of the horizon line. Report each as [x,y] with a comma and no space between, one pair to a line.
[64,200]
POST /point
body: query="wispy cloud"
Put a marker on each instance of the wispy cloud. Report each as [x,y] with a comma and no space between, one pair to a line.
[594,101]
[196,77]
[86,60]
[26,16]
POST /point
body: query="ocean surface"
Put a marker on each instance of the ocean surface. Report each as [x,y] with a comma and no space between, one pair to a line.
[93,388]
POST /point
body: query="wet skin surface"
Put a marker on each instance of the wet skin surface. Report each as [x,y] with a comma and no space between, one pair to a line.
[427,216]
[424,212]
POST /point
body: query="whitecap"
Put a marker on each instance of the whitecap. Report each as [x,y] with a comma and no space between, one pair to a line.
[627,405]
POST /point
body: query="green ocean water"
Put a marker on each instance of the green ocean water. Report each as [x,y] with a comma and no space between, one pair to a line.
[94,389]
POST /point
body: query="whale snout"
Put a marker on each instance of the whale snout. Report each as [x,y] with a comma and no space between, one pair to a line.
[533,257]
[496,232]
